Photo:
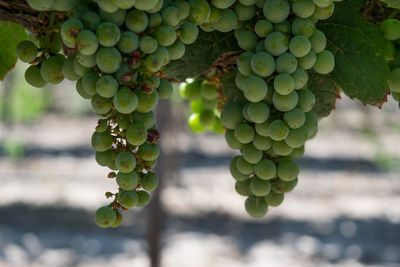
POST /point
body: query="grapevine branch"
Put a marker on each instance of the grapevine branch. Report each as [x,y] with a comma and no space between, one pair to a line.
[19,12]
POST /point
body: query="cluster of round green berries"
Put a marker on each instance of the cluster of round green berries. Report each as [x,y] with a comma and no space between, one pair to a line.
[391,31]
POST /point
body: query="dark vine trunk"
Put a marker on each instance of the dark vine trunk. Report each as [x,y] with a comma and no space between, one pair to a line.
[19,12]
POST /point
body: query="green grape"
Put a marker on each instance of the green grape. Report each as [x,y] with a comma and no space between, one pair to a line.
[222,4]
[243,166]
[128,199]
[162,52]
[145,4]
[300,78]
[124,4]
[125,162]
[323,12]
[311,123]
[278,130]
[85,61]
[170,16]
[391,29]
[195,124]
[294,118]
[148,151]
[54,45]
[308,61]
[251,154]
[153,63]
[394,80]
[260,46]
[258,112]
[297,137]
[90,20]
[297,153]
[227,22]
[262,128]
[125,101]
[276,43]
[288,170]
[244,12]
[245,113]
[263,64]
[248,2]
[199,11]
[79,68]
[284,84]
[260,187]
[40,5]
[33,77]
[118,220]
[303,27]
[155,20]
[26,51]
[244,133]
[188,33]
[183,7]
[243,188]
[325,62]
[108,34]
[105,216]
[165,89]
[323,3]
[176,50]
[306,100]
[127,181]
[231,140]
[318,41]
[123,121]
[285,102]
[239,80]
[244,63]
[165,35]
[107,86]
[136,21]
[147,118]
[263,28]
[300,46]
[117,17]
[89,81]
[265,169]
[69,30]
[283,27]
[51,69]
[101,105]
[254,89]
[256,207]
[103,158]
[262,142]
[286,63]
[276,11]
[191,91]
[208,90]
[143,198]
[101,141]
[280,148]
[86,42]
[217,127]
[303,8]
[108,59]
[149,182]
[107,5]
[81,91]
[147,102]
[207,118]
[148,44]
[235,172]
[273,199]
[128,42]
[281,187]
[247,40]
[136,134]
[231,115]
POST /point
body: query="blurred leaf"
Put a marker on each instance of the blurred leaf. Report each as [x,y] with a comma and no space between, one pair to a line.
[10,35]
[392,3]
[360,52]
[229,84]
[325,91]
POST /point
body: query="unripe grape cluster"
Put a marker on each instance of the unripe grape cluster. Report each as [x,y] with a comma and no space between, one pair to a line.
[391,31]
[116,51]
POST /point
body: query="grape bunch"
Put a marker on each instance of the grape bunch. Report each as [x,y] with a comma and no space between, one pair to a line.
[391,31]
[116,51]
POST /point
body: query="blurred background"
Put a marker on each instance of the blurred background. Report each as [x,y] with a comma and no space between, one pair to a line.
[345,211]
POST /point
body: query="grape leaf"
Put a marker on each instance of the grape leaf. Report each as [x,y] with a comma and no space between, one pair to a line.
[361,53]
[326,92]
[392,3]
[10,35]
[200,55]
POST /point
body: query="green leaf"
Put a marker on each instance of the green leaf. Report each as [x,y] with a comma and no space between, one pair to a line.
[392,3]
[361,53]
[10,35]
[200,55]
[326,92]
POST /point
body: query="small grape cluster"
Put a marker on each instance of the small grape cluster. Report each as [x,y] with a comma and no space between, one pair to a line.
[270,118]
[391,31]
